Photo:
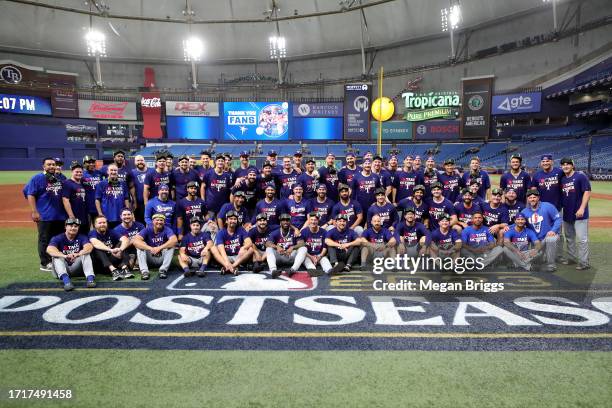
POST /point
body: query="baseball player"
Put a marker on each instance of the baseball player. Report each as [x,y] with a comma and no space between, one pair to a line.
[155,247]
[309,180]
[245,167]
[271,207]
[137,181]
[91,178]
[154,179]
[384,209]
[296,207]
[189,207]
[376,242]
[521,244]
[364,185]
[231,250]
[109,253]
[478,242]
[417,203]
[512,205]
[349,208]
[465,209]
[477,174]
[451,181]
[314,239]
[412,237]
[544,219]
[248,186]
[328,175]
[342,245]
[216,187]
[129,228]
[322,205]
[495,215]
[256,239]
[194,250]
[161,205]
[121,164]
[348,171]
[74,197]
[112,195]
[516,178]
[238,207]
[445,241]
[285,246]
[182,176]
[438,206]
[405,181]
[287,178]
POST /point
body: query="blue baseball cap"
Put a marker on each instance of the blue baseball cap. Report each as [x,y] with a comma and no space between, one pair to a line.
[163,187]
[298,153]
[350,154]
[547,156]
[244,153]
[272,153]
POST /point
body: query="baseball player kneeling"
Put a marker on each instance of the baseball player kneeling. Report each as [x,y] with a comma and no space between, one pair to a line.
[521,244]
[70,255]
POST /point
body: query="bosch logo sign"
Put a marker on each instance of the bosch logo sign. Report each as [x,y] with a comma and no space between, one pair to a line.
[10,74]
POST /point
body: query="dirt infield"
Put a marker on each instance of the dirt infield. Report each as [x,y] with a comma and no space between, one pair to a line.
[15,212]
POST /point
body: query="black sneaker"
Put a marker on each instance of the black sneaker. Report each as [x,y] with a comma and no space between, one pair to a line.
[163,274]
[117,275]
[290,272]
[275,273]
[346,269]
[188,274]
[258,267]
[201,274]
[223,270]
[144,275]
[126,273]
[337,268]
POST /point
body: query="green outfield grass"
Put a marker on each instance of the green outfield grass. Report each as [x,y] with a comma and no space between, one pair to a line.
[313,379]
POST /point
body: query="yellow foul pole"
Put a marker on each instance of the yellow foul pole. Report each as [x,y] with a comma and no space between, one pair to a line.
[380,96]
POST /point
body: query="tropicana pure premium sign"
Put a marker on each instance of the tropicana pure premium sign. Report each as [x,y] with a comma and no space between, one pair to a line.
[425,106]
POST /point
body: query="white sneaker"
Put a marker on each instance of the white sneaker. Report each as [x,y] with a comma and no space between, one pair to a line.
[46,268]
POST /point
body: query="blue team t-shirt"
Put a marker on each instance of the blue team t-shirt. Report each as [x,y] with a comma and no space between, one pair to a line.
[194,244]
[315,241]
[377,237]
[572,190]
[156,239]
[259,238]
[130,232]
[67,246]
[111,238]
[231,242]
[48,197]
[476,238]
[522,239]
[445,241]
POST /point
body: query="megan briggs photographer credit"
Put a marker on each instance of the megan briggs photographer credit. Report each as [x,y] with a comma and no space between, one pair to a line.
[414,264]
[468,285]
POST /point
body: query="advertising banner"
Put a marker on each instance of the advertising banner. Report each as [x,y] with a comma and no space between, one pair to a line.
[530,102]
[476,109]
[91,109]
[437,130]
[193,128]
[357,111]
[81,126]
[29,105]
[317,129]
[393,130]
[256,121]
[65,103]
[150,106]
[317,110]
[178,108]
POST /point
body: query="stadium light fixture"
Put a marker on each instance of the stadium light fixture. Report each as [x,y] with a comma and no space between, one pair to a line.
[450,20]
[278,47]
[96,43]
[193,48]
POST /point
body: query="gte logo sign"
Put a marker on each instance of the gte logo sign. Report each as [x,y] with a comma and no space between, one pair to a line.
[517,103]
[10,74]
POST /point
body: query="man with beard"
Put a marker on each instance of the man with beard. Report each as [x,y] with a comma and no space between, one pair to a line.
[512,205]
[91,179]
[548,181]
[109,253]
[265,179]
[248,186]
[412,237]
[322,206]
[392,169]
[521,244]
[309,180]
[129,228]
[430,175]
[241,172]
[230,249]
[464,210]
[364,185]
[451,181]
[297,162]
[204,167]
[438,206]
[349,208]
[70,254]
[296,208]
[193,164]
[287,177]
[271,207]
[237,206]
[285,246]
[74,198]
[194,250]
[181,176]
[169,161]
[256,239]
[189,207]
[328,175]
[271,158]
[545,220]
[346,173]
[376,242]
[59,163]
[405,182]
[495,215]
[383,175]
[44,195]
[342,245]
[161,205]
[137,177]
[416,202]
[445,241]
[576,192]
[112,196]
[516,178]
[156,178]
[314,239]
[474,187]
[477,241]
[475,173]
[416,164]
[384,209]
[216,187]
[407,163]
[155,247]
[122,167]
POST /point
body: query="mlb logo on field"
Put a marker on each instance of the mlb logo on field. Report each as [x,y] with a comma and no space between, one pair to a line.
[247,282]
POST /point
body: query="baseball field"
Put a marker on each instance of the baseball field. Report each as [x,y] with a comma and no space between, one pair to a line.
[230,364]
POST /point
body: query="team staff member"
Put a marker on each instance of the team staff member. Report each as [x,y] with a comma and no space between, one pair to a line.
[342,245]
[109,253]
[544,219]
[521,244]
[314,239]
[74,197]
[155,247]
[477,174]
[181,176]
[194,250]
[576,192]
[137,181]
[257,238]
[91,178]
[70,253]
[285,246]
[376,242]
[156,178]
[216,187]
[161,205]
[44,195]
[516,178]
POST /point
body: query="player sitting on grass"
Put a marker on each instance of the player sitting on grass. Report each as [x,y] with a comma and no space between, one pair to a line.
[257,238]
[155,247]
[194,251]
[544,219]
[109,251]
[230,249]
[285,246]
[342,245]
[412,237]
[445,241]
[376,242]
[129,228]
[314,239]
[70,255]
[521,245]
[477,241]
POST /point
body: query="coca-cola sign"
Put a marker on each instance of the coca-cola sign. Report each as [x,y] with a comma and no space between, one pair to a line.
[91,109]
[178,108]
[150,102]
[150,107]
